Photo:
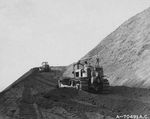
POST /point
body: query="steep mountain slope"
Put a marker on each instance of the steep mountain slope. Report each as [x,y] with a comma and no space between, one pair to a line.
[125,53]
[125,56]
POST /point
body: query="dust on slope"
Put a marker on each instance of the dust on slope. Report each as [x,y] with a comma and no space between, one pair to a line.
[125,53]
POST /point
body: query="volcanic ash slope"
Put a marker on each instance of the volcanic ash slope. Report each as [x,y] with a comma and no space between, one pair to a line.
[125,53]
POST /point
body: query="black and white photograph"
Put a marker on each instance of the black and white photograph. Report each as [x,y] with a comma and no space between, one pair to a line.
[74,59]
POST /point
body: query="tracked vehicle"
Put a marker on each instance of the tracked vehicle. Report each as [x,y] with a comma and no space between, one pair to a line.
[45,67]
[86,77]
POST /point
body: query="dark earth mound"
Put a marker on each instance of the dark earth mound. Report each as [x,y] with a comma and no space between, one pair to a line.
[37,97]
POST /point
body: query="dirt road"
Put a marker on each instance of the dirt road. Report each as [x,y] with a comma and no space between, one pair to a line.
[38,98]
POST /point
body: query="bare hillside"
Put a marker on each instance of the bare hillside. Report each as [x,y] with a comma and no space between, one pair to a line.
[35,96]
[125,53]
[125,56]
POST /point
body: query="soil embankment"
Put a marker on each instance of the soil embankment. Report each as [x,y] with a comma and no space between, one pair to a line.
[36,97]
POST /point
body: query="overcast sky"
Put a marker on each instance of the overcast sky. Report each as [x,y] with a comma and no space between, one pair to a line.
[57,31]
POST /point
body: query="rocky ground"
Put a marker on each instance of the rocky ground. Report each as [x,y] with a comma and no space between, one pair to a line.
[36,96]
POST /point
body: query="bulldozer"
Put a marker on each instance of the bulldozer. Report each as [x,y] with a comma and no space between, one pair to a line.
[45,67]
[86,77]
